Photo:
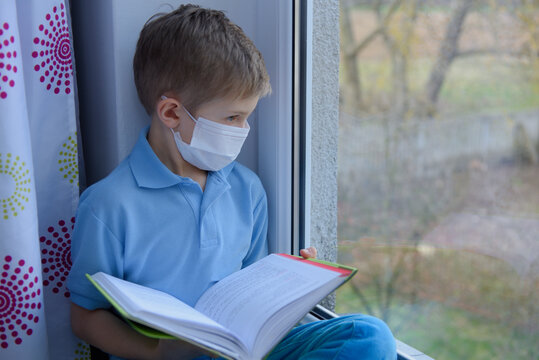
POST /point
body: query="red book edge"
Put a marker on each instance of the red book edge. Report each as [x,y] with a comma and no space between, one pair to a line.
[344,272]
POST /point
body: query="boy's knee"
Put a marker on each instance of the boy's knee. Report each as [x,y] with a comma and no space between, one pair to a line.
[371,336]
[346,337]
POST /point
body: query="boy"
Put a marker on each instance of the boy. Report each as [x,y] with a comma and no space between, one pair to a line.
[178,214]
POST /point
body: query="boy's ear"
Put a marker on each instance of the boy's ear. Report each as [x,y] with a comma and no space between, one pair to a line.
[167,110]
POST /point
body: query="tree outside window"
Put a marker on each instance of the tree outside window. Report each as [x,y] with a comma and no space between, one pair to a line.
[439,172]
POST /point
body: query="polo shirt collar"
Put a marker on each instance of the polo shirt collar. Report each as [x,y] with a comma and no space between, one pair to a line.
[150,172]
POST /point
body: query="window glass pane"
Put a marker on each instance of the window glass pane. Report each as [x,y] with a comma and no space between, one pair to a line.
[439,172]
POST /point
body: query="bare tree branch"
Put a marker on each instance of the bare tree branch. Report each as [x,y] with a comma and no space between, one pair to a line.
[398,49]
[448,51]
[480,52]
[363,44]
[390,288]
[362,298]
[351,78]
[378,31]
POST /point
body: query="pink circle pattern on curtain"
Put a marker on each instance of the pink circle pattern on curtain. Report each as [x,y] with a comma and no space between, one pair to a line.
[56,256]
[53,52]
[19,301]
[7,55]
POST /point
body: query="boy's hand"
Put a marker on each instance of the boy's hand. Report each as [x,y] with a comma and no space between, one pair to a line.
[178,349]
[309,253]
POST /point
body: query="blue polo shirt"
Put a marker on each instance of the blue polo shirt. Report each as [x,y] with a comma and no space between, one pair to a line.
[145,224]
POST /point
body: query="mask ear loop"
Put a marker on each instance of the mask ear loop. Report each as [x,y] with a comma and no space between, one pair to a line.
[163,97]
[191,116]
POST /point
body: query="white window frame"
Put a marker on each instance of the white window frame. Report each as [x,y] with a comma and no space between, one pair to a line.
[275,119]
[301,221]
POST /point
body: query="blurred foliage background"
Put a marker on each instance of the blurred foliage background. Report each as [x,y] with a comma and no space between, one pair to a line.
[438,172]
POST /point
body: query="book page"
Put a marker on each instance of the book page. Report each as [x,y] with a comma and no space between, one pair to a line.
[147,304]
[243,301]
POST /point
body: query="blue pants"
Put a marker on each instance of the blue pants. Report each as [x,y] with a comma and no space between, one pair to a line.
[346,337]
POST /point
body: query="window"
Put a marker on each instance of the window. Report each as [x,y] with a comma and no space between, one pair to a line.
[438,172]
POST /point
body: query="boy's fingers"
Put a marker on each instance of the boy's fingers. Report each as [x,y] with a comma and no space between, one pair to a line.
[309,252]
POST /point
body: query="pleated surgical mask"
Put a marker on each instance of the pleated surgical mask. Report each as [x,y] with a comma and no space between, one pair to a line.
[213,146]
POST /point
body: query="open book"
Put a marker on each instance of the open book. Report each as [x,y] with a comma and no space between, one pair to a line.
[243,316]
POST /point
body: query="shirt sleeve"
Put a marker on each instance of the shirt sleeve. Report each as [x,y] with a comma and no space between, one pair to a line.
[259,242]
[94,248]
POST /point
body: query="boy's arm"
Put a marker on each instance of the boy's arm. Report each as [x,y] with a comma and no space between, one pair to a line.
[104,330]
[259,242]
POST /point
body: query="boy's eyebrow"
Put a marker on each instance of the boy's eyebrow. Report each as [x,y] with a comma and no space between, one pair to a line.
[239,112]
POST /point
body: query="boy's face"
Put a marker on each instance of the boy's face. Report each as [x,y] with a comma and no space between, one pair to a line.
[232,112]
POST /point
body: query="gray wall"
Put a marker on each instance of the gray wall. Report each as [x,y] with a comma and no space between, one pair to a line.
[325,119]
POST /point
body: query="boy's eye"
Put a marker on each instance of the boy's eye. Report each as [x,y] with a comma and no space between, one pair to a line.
[232,118]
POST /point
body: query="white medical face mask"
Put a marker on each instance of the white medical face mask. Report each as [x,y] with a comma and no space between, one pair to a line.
[213,145]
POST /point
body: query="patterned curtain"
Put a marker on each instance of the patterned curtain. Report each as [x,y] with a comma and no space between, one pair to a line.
[39,187]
